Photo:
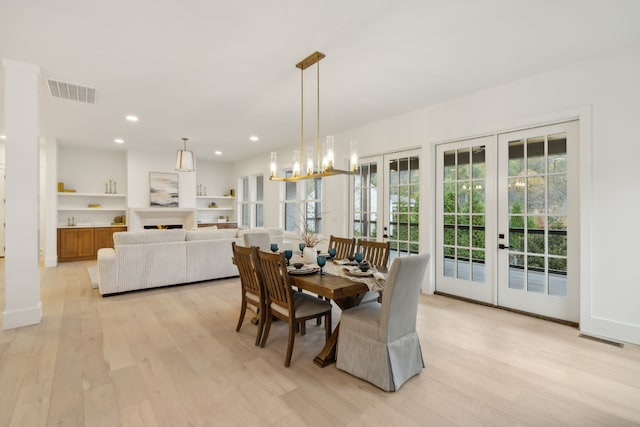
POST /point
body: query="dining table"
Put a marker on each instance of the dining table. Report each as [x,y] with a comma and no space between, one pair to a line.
[344,291]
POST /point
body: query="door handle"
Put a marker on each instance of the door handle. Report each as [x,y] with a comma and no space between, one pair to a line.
[502,246]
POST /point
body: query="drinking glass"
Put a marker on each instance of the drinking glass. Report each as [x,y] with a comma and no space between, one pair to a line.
[359,257]
[322,260]
[288,254]
[332,252]
[301,246]
[274,247]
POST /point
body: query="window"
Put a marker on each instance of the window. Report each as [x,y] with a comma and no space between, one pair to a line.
[244,201]
[290,204]
[313,204]
[251,201]
[259,208]
[302,198]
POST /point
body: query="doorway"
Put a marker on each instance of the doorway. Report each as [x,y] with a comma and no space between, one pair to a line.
[507,220]
[385,201]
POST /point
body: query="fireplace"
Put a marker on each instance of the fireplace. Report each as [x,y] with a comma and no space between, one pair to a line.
[162,226]
[144,218]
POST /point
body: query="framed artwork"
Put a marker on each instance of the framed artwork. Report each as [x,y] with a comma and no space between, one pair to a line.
[163,189]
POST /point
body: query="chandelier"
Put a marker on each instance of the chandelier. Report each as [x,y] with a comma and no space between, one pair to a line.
[304,164]
[185,161]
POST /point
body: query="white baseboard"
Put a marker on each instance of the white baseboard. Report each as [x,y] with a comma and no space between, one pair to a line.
[24,317]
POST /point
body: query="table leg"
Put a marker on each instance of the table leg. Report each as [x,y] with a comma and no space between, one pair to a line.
[328,354]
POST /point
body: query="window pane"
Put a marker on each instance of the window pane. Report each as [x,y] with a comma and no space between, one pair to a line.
[516,158]
[557,194]
[557,158]
[477,159]
[463,197]
[290,217]
[449,166]
[463,163]
[259,215]
[259,188]
[535,194]
[535,155]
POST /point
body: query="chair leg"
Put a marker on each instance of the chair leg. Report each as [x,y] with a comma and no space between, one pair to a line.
[303,327]
[292,337]
[243,310]
[260,325]
[267,327]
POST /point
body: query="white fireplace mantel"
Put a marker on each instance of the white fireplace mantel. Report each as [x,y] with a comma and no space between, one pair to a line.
[139,217]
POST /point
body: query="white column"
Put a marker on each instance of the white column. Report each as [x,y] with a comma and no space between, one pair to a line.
[22,269]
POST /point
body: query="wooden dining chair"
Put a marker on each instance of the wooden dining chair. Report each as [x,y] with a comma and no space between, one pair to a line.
[284,303]
[344,246]
[253,292]
[377,253]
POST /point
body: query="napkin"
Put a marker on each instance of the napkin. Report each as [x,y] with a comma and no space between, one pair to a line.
[380,276]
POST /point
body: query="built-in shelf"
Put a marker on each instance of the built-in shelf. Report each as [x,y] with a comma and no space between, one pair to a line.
[74,207]
[215,197]
[225,206]
[90,194]
[109,209]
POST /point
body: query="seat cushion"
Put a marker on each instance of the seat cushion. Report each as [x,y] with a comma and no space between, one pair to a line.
[305,305]
[363,320]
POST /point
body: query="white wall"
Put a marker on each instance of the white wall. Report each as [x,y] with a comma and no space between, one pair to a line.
[608,89]
[86,170]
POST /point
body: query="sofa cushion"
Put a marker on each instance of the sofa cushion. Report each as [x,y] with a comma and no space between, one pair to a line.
[223,233]
[148,236]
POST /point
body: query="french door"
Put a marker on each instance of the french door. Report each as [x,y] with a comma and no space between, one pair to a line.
[386,199]
[466,219]
[507,220]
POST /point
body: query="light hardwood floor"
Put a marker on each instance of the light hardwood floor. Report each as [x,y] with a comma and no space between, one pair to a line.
[171,356]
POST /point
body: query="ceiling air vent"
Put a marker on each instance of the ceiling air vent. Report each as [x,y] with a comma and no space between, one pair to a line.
[72,91]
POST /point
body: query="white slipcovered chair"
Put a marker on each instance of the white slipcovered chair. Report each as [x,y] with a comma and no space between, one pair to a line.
[378,341]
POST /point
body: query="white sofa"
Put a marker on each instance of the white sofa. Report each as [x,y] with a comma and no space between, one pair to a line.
[153,258]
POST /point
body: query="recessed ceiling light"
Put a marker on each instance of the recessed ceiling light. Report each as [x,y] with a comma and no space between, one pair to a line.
[119,141]
[132,118]
[218,153]
[253,138]
[3,136]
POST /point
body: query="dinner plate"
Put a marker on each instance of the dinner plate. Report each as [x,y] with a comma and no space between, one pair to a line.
[355,271]
[303,270]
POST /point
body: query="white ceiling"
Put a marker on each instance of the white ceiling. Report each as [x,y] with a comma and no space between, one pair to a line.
[218,71]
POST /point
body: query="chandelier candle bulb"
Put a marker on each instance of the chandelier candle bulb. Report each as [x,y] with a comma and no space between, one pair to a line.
[274,164]
[296,163]
[353,161]
[329,152]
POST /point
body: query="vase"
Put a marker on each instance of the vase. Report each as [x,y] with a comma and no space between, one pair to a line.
[309,255]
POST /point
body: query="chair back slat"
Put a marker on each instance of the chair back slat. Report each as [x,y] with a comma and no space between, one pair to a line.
[377,253]
[272,268]
[243,258]
[344,246]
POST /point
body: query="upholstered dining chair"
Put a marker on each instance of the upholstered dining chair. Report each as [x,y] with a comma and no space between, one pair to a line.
[377,253]
[252,289]
[285,303]
[261,239]
[378,342]
[344,246]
